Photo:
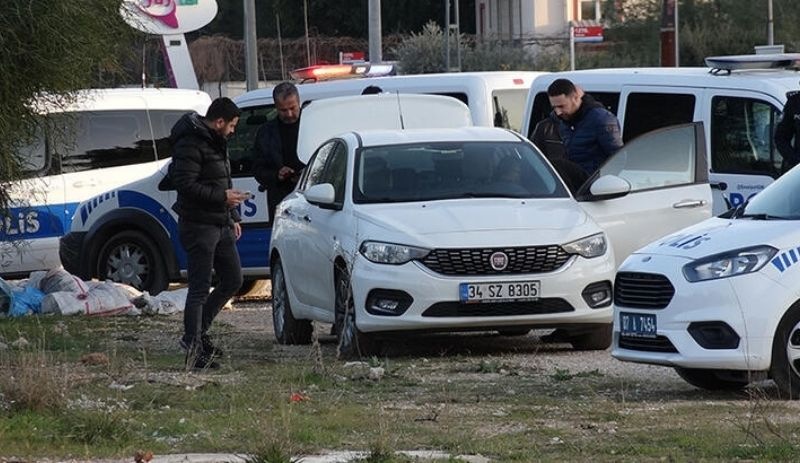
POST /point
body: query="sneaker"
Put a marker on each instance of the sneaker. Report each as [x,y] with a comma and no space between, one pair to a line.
[209,348]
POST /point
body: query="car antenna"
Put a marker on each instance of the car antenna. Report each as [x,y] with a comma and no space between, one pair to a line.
[400,110]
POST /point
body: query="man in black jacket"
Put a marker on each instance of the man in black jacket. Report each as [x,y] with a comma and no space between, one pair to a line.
[208,221]
[276,166]
[787,132]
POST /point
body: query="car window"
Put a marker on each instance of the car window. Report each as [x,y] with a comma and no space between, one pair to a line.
[336,171]
[95,140]
[779,200]
[163,121]
[240,145]
[316,167]
[508,106]
[662,158]
[33,155]
[646,111]
[742,136]
[437,171]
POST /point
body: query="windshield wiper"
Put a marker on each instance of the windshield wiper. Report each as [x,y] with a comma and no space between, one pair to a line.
[765,216]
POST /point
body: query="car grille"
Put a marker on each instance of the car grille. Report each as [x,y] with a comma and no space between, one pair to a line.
[498,309]
[533,259]
[642,290]
[657,344]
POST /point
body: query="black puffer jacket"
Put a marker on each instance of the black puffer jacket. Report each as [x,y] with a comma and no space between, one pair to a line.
[200,173]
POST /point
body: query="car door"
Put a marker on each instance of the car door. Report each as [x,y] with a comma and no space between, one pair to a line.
[327,225]
[299,236]
[669,190]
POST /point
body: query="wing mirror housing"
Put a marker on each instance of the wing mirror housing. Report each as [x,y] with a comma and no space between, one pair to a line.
[609,187]
[322,195]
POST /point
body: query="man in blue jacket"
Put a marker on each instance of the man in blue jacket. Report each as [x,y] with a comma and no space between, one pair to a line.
[589,131]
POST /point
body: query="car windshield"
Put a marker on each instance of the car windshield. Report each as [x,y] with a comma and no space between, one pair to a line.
[438,171]
[779,201]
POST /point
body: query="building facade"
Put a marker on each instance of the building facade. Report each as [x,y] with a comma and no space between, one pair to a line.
[532,20]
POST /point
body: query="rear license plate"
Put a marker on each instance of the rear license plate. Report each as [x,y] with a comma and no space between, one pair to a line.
[499,292]
[637,325]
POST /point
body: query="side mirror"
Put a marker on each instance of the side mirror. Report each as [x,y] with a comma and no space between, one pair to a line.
[609,187]
[321,195]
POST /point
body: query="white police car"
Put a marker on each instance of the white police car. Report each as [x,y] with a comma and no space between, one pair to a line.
[460,228]
[719,301]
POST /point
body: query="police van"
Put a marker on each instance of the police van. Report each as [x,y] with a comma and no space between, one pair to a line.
[100,140]
[738,98]
[129,234]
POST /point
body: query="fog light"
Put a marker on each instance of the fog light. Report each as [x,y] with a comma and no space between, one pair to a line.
[388,302]
[598,294]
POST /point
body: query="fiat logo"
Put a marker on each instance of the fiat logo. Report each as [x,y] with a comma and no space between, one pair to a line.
[498,261]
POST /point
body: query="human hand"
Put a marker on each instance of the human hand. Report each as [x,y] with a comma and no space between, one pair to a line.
[235,197]
[285,172]
[237,230]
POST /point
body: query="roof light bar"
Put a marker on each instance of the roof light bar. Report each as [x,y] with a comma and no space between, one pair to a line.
[342,71]
[758,61]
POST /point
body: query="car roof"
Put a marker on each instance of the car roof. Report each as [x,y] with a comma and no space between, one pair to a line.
[442,81]
[108,99]
[409,136]
[755,79]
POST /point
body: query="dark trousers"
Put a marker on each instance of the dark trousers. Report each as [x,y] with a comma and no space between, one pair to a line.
[208,247]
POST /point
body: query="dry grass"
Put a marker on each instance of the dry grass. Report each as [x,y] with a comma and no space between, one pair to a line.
[33,380]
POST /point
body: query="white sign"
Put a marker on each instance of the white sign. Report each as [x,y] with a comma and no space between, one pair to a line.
[168,17]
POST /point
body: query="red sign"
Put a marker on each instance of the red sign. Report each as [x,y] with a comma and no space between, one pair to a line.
[588,33]
[350,57]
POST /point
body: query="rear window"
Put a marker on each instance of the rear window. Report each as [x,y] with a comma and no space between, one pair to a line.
[508,107]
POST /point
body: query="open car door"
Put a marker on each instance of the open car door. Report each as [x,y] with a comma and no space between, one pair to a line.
[655,185]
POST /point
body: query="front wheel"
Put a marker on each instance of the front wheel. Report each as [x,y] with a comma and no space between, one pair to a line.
[130,257]
[714,380]
[785,368]
[288,330]
[595,339]
[353,343]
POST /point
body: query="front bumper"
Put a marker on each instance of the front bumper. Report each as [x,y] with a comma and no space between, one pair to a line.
[70,251]
[746,308]
[434,298]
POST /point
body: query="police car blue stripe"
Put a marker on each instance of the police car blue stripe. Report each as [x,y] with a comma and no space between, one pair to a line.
[793,256]
[786,260]
[778,264]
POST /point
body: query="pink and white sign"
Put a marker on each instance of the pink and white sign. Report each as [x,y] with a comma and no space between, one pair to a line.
[167,17]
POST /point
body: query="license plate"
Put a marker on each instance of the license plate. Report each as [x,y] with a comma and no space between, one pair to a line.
[637,325]
[499,292]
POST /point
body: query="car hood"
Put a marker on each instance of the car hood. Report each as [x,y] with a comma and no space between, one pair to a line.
[717,235]
[476,222]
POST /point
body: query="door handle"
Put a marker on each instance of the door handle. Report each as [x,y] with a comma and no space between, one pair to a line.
[84,184]
[287,212]
[307,218]
[689,203]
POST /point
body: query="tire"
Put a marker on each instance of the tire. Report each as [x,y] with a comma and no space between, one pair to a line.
[288,330]
[132,258]
[785,367]
[594,339]
[714,380]
[514,332]
[353,343]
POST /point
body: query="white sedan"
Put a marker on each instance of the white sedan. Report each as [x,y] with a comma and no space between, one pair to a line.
[719,301]
[465,228]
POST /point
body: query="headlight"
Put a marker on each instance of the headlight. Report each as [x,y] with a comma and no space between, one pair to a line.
[389,253]
[591,246]
[729,264]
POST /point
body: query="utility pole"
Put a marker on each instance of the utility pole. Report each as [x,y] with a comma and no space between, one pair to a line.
[446,35]
[251,47]
[308,46]
[375,41]
[677,37]
[770,24]
[458,36]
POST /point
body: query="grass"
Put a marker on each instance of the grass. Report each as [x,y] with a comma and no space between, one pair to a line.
[503,404]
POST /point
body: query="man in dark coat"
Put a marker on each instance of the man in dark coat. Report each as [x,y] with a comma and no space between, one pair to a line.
[276,166]
[589,131]
[547,138]
[787,132]
[208,223]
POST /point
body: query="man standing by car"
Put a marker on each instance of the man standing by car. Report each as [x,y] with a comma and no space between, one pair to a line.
[787,132]
[590,132]
[276,166]
[208,221]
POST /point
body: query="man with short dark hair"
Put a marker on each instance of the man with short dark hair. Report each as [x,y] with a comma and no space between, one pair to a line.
[787,132]
[276,166]
[208,223]
[589,131]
